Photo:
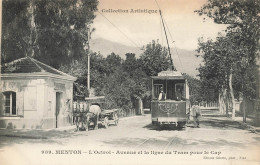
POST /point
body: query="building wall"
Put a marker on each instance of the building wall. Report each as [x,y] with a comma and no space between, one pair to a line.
[29,104]
[36,102]
[65,88]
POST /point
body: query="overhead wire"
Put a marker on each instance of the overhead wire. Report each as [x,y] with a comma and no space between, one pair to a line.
[178,56]
[174,45]
[171,37]
[119,30]
[157,4]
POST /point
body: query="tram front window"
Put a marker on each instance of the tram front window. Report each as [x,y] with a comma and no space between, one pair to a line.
[157,88]
[179,91]
[173,89]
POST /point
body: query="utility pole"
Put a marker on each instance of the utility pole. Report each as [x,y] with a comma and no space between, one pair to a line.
[1,97]
[88,59]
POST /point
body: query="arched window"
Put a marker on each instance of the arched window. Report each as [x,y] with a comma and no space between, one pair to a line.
[10,103]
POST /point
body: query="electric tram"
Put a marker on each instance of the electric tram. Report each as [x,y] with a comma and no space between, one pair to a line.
[174,108]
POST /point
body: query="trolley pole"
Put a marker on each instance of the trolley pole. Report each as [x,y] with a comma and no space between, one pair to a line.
[172,66]
[88,60]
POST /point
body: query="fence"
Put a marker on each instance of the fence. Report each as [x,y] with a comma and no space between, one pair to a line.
[209,105]
[126,113]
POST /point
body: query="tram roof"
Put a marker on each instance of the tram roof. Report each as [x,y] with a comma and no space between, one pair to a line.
[169,75]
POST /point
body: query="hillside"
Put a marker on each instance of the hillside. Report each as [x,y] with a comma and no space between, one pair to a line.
[185,61]
[106,47]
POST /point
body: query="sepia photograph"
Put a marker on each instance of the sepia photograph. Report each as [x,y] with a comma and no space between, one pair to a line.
[130,82]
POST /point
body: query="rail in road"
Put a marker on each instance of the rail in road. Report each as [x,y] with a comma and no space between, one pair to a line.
[171,142]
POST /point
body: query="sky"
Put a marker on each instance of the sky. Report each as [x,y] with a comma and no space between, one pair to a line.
[140,28]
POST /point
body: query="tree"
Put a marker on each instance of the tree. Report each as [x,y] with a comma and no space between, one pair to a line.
[154,59]
[242,33]
[79,69]
[195,89]
[14,28]
[54,32]
[141,82]
[62,27]
[117,90]
[98,73]
[219,59]
[131,63]
[112,62]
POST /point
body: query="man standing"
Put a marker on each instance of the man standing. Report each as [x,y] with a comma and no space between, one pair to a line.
[196,113]
[162,95]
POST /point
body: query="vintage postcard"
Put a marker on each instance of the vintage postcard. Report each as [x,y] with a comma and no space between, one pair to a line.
[119,82]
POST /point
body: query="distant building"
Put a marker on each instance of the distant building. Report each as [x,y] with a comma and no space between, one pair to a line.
[34,95]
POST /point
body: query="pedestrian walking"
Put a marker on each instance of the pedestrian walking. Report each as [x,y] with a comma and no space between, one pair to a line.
[196,113]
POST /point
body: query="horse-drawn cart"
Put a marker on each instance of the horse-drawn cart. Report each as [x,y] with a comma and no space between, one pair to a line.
[110,117]
[91,114]
[105,119]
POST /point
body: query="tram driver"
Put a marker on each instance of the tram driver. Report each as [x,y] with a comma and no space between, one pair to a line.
[162,95]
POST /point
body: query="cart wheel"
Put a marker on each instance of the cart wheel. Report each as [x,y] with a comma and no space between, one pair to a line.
[106,122]
[116,119]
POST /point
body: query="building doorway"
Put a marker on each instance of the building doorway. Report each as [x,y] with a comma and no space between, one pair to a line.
[58,107]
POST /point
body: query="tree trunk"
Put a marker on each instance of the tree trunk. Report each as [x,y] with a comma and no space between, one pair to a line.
[244,99]
[227,101]
[141,106]
[33,34]
[244,109]
[222,97]
[232,96]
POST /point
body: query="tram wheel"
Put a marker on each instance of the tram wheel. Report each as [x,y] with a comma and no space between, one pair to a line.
[181,125]
[155,123]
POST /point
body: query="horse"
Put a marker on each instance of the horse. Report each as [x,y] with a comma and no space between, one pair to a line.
[82,119]
[95,111]
[79,116]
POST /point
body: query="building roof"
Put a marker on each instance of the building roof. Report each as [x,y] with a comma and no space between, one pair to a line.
[27,65]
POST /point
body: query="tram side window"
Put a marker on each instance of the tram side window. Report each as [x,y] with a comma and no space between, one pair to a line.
[157,90]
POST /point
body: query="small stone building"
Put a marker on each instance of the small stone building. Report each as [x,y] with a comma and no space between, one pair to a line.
[34,95]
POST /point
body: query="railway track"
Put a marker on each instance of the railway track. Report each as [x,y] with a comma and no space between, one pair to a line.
[166,146]
[169,143]
[142,143]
